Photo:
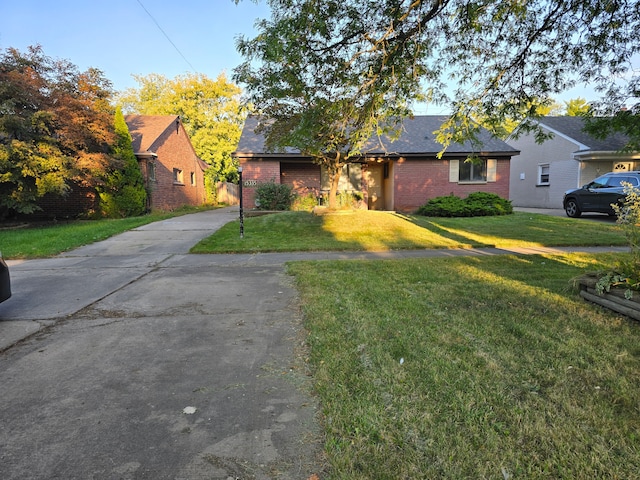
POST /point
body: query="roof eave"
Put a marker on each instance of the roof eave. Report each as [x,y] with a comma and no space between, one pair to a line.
[593,155]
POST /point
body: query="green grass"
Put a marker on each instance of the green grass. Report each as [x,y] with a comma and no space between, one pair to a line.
[470,367]
[380,231]
[449,368]
[39,241]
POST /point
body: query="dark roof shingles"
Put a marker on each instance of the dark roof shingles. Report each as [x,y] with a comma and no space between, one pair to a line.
[417,137]
[572,127]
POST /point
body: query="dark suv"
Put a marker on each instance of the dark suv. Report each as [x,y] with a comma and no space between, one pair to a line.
[597,196]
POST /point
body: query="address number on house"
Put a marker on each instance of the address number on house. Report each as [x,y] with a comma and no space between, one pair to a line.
[250,183]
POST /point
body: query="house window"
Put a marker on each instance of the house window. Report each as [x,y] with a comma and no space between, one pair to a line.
[478,171]
[350,178]
[193,179]
[543,174]
[151,170]
[178,176]
[473,171]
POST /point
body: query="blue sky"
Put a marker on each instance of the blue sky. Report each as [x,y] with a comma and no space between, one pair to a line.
[121,39]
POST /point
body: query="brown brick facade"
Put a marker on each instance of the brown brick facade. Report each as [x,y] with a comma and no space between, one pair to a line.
[400,174]
[174,175]
[413,182]
[254,172]
[417,181]
[303,177]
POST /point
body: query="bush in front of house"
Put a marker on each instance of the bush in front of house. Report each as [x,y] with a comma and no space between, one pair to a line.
[305,203]
[475,205]
[274,196]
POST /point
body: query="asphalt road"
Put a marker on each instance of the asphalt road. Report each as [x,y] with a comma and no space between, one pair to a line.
[139,361]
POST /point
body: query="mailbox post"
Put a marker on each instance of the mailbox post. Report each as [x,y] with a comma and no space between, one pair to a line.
[241,203]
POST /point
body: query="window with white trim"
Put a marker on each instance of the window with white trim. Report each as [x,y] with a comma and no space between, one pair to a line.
[481,170]
[178,176]
[543,174]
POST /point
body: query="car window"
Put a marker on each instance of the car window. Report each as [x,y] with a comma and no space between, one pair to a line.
[616,181]
[599,182]
[621,181]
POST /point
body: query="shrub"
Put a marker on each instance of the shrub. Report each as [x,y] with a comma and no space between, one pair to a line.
[305,203]
[122,193]
[449,206]
[626,272]
[483,203]
[274,196]
[475,205]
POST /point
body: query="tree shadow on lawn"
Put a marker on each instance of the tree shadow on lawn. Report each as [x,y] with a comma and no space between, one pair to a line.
[463,240]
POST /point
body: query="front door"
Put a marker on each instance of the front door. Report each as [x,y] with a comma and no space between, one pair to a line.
[375,186]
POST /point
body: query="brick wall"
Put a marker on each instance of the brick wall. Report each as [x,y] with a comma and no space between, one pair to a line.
[304,178]
[417,181]
[174,150]
[254,172]
[414,181]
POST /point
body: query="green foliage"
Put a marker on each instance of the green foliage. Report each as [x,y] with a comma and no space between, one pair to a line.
[475,205]
[626,271]
[330,74]
[304,203]
[122,193]
[484,204]
[55,126]
[209,109]
[274,196]
[625,122]
[447,206]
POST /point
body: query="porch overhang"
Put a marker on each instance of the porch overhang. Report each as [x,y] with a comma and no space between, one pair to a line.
[597,156]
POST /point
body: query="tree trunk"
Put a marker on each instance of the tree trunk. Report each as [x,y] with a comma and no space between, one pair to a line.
[334,170]
[334,181]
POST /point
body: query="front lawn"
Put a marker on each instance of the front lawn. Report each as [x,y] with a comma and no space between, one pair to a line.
[381,231]
[471,367]
[40,240]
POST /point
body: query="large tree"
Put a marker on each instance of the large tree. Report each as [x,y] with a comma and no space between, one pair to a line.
[210,111]
[55,126]
[327,74]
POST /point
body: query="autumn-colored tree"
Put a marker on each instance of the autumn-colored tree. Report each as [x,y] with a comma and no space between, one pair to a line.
[122,192]
[55,126]
[209,109]
[576,107]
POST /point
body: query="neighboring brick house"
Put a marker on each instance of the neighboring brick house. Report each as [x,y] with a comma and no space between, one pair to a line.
[571,158]
[173,173]
[400,176]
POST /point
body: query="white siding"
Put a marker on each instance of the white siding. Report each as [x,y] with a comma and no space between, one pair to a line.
[563,172]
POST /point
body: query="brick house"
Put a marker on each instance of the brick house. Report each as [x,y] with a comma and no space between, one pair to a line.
[173,173]
[400,175]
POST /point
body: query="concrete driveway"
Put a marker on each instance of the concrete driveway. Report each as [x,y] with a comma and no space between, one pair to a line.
[141,361]
[132,359]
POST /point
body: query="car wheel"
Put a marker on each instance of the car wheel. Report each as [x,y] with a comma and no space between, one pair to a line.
[572,209]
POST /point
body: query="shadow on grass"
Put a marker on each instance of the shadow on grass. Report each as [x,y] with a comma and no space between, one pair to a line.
[444,233]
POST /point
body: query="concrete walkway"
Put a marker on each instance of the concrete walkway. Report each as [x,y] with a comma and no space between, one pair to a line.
[131,358]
